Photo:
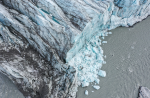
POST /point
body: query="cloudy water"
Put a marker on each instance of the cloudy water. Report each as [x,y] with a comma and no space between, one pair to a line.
[8,89]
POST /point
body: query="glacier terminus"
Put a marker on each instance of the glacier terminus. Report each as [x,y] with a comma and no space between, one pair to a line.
[50,47]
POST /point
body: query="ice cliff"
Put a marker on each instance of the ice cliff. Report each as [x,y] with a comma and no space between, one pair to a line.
[55,45]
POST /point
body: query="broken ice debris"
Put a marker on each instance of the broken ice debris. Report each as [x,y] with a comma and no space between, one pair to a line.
[102,73]
[86,92]
[96,87]
[104,42]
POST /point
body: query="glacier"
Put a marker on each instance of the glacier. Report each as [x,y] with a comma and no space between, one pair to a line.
[55,45]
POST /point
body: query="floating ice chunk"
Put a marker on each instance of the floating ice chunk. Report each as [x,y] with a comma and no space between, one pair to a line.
[104,42]
[109,32]
[104,62]
[102,73]
[97,81]
[92,91]
[96,87]
[84,84]
[86,92]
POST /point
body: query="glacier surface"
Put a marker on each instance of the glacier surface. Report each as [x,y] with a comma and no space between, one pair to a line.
[63,40]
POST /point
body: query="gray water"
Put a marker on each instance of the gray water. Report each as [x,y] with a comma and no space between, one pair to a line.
[8,89]
[128,63]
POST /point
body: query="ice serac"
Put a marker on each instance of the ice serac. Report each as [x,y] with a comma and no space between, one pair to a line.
[48,36]
[80,12]
[144,92]
[52,9]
